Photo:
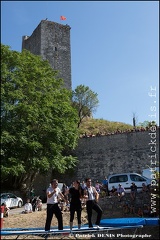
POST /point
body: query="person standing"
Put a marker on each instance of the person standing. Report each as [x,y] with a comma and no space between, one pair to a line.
[53,193]
[76,193]
[83,185]
[64,188]
[92,198]
[133,191]
[98,186]
[83,200]
[105,185]
[32,193]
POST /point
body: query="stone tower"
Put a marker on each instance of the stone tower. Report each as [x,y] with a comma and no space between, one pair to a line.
[52,41]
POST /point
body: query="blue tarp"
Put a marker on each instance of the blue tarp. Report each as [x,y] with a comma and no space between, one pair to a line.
[152,221]
[112,222]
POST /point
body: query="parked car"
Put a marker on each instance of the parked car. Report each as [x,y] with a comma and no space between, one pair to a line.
[11,200]
[126,179]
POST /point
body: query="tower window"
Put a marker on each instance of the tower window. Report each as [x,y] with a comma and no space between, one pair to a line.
[55,48]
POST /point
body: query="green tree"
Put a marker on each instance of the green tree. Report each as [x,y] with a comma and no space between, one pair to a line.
[147,124]
[39,123]
[85,101]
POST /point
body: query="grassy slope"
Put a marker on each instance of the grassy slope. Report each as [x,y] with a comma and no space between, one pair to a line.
[93,126]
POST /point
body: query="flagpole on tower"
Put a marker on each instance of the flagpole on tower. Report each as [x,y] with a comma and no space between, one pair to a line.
[46,9]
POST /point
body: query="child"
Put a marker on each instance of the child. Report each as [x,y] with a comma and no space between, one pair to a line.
[146,210]
[39,204]
[132,209]
[140,212]
[144,188]
[126,208]
[113,192]
[28,207]
[6,210]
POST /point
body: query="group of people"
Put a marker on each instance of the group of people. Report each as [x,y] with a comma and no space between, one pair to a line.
[120,191]
[77,193]
[141,211]
[35,204]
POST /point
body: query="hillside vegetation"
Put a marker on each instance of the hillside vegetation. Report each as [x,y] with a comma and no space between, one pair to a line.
[94,126]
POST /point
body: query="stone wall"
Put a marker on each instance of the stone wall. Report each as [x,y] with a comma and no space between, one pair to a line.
[118,153]
[113,208]
[104,155]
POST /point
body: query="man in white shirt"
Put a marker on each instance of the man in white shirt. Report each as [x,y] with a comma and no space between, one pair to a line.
[52,205]
[92,198]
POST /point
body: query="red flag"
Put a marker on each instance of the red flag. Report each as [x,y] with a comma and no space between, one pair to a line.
[63,18]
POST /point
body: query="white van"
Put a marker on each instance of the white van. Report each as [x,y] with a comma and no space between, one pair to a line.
[126,179]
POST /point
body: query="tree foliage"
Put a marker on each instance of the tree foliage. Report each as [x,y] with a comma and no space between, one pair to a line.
[147,124]
[85,101]
[39,123]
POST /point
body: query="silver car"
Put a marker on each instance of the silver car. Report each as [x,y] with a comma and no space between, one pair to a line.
[11,200]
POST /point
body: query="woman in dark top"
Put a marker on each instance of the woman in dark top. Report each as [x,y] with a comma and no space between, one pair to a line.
[76,193]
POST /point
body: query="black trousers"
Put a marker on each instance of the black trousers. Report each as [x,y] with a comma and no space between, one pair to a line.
[53,209]
[72,212]
[92,204]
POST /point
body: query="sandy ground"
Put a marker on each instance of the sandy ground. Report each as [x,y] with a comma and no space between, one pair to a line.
[37,219]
